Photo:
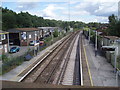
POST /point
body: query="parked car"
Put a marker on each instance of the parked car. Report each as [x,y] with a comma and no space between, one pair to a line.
[41,41]
[32,43]
[14,49]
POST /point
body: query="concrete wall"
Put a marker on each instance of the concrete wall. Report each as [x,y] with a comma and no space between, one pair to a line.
[105,42]
[4,49]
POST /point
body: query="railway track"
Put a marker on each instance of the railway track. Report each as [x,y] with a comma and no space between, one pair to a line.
[61,72]
[45,71]
[51,68]
[77,71]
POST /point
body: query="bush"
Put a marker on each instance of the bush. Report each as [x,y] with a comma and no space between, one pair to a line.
[12,63]
[55,33]
[5,58]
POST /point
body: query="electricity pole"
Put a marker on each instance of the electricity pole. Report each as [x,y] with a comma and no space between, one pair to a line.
[96,44]
[89,35]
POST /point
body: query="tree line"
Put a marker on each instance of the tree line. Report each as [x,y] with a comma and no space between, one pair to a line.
[114,26]
[11,19]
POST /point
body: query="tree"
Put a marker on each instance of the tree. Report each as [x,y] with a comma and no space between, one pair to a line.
[114,26]
[9,21]
[55,33]
[24,19]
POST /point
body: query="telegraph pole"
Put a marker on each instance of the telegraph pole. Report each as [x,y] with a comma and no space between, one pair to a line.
[96,44]
[89,35]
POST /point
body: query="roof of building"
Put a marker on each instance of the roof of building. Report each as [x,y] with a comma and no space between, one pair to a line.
[27,29]
[22,29]
[46,27]
[112,37]
[3,32]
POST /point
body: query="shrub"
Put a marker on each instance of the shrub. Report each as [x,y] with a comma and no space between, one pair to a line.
[5,58]
[55,33]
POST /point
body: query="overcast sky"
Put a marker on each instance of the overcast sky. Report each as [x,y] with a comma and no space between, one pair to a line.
[74,10]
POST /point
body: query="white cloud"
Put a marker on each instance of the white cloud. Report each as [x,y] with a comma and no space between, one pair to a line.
[101,0]
[76,13]
[98,8]
[26,5]
[35,1]
[106,9]
[80,10]
[37,13]
[49,11]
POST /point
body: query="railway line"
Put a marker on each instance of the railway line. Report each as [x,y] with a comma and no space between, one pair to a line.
[64,64]
[51,68]
[45,72]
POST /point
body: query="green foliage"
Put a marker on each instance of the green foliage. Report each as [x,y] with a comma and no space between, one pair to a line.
[114,26]
[5,58]
[24,19]
[12,63]
[93,24]
[55,33]
[86,28]
[48,39]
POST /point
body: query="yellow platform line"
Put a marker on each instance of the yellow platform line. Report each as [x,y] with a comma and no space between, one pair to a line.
[86,58]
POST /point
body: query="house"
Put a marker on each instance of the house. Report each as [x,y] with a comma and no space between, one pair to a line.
[23,36]
[44,31]
[4,42]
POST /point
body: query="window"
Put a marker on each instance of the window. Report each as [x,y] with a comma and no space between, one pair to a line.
[29,36]
[24,35]
[2,36]
[1,46]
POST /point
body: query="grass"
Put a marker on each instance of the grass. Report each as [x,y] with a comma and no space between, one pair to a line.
[9,65]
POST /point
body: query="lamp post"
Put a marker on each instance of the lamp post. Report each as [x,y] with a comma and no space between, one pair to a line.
[35,48]
[89,35]
[96,44]
[115,60]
